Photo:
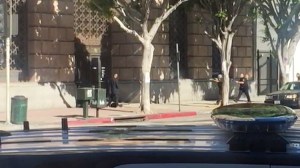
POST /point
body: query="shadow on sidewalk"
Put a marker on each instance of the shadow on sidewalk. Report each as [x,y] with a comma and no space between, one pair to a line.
[69,116]
[194,104]
[115,110]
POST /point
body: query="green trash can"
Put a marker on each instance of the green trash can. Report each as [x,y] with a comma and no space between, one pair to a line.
[18,109]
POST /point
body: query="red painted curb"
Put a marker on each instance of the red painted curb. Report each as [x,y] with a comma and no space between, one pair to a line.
[169,115]
[147,117]
[91,121]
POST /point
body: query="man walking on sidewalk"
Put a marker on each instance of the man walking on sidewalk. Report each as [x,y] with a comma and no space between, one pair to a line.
[244,88]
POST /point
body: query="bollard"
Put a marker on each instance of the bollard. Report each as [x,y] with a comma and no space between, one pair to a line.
[26,126]
[85,109]
[64,124]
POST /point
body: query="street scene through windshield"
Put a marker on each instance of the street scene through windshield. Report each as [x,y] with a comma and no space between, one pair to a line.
[128,78]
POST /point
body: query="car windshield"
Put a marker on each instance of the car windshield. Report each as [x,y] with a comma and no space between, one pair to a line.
[291,86]
[149,75]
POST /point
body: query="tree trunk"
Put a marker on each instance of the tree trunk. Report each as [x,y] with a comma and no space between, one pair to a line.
[225,91]
[285,55]
[226,64]
[146,38]
[292,46]
[226,84]
[146,71]
[282,65]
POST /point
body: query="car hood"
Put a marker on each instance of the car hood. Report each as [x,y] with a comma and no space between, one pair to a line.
[121,138]
[111,147]
[115,138]
[284,92]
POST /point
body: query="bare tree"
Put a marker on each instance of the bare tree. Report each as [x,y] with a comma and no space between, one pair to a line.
[223,15]
[126,12]
[282,30]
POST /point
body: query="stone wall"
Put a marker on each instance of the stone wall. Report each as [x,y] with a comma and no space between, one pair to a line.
[243,50]
[127,56]
[127,53]
[50,52]
[50,40]
[166,91]
[41,96]
[200,49]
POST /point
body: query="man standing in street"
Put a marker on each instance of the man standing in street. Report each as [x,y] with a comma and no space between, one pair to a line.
[244,88]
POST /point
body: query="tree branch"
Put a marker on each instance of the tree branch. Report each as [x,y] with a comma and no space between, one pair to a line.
[147,15]
[164,16]
[127,30]
[290,17]
[267,16]
[125,10]
[216,40]
[172,9]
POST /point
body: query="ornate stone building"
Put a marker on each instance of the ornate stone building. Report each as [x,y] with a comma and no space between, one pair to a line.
[199,60]
[60,42]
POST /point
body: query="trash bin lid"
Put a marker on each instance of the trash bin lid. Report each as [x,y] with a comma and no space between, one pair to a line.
[19,97]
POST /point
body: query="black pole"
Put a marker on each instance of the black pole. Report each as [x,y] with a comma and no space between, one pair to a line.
[85,109]
[178,75]
[64,124]
[270,73]
[26,126]
[258,73]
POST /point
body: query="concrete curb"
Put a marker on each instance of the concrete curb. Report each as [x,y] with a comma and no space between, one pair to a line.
[148,117]
[169,115]
[91,121]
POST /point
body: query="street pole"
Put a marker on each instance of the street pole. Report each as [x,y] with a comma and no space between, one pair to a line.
[178,81]
[294,74]
[8,42]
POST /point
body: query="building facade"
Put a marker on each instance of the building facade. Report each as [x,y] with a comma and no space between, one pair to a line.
[60,42]
[199,59]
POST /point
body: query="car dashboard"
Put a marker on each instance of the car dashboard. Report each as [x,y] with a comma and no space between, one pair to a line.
[133,146]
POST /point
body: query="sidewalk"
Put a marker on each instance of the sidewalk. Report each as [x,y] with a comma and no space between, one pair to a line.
[51,118]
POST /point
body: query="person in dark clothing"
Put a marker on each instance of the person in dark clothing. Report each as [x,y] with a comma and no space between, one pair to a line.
[244,88]
[114,91]
[219,82]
